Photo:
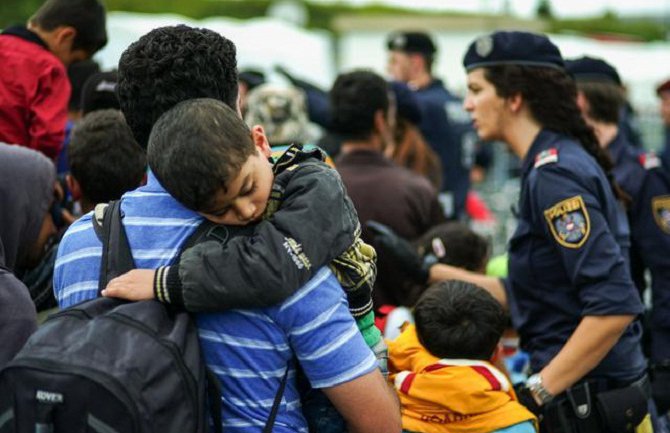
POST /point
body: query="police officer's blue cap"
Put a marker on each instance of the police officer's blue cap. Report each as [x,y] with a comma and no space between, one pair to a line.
[593,70]
[406,102]
[512,48]
[411,42]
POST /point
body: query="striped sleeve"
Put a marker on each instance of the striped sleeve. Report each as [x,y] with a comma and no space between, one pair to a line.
[323,334]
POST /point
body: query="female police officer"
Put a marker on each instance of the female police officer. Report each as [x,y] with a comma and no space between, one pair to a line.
[569,290]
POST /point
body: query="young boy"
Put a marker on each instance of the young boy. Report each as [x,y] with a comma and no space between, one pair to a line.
[298,215]
[441,370]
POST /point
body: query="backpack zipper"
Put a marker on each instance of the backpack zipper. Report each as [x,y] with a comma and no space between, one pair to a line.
[188,379]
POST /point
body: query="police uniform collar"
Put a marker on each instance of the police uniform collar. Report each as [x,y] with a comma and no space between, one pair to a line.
[543,141]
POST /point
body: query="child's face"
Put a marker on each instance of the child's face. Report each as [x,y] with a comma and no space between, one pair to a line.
[247,195]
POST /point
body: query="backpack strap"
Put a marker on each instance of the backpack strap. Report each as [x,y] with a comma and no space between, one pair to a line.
[275,405]
[117,258]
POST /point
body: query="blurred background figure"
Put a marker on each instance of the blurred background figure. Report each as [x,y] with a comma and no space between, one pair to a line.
[663,92]
[27,180]
[248,79]
[444,123]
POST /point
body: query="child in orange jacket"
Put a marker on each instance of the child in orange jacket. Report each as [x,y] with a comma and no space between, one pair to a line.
[440,367]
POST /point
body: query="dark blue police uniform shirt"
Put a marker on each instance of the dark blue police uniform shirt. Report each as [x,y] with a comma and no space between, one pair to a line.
[447,127]
[640,175]
[566,258]
[665,151]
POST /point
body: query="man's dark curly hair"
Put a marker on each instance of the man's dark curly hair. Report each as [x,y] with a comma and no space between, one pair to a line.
[355,98]
[173,64]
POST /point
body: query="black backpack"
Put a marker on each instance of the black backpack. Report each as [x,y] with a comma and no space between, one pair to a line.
[109,366]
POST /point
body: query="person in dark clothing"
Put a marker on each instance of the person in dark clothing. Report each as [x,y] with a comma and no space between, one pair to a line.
[641,176]
[34,98]
[381,190]
[27,191]
[663,92]
[444,123]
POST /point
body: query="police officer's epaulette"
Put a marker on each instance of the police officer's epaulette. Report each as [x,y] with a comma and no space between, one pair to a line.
[649,160]
[548,156]
[295,155]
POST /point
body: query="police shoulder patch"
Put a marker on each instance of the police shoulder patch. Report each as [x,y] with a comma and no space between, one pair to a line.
[649,160]
[569,222]
[546,157]
[660,207]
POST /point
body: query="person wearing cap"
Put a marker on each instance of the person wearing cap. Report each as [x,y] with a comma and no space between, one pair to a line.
[444,124]
[641,176]
[34,97]
[409,149]
[569,290]
[663,92]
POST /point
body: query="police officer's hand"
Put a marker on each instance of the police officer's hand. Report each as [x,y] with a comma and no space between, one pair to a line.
[402,252]
[525,397]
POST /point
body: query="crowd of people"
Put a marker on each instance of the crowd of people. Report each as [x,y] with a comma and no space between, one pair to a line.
[344,289]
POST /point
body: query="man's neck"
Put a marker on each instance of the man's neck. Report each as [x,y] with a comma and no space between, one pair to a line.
[355,145]
[421,80]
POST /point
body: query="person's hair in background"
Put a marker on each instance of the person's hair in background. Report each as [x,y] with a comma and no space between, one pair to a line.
[411,150]
[150,83]
[356,97]
[248,80]
[87,17]
[457,245]
[79,73]
[99,92]
[105,160]
[282,112]
[551,94]
[182,139]
[459,320]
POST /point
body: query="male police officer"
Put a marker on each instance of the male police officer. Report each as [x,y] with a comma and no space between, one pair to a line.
[444,124]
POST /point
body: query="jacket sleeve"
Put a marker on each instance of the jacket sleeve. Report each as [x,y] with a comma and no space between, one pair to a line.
[49,113]
[575,219]
[650,226]
[315,223]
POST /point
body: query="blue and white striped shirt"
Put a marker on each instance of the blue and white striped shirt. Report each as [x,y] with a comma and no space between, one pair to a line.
[248,350]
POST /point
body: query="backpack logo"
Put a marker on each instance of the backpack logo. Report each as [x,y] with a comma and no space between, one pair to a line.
[48,397]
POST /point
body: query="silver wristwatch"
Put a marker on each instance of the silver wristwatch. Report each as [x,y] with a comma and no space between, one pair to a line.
[535,386]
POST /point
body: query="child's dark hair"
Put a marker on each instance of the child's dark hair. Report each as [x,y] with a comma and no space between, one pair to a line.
[86,16]
[104,157]
[196,149]
[459,320]
[455,244]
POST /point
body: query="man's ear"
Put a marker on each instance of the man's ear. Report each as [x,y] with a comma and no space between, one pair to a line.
[380,121]
[515,102]
[64,36]
[260,140]
[74,187]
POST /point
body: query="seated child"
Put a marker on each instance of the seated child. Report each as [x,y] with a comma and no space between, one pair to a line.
[440,366]
[299,218]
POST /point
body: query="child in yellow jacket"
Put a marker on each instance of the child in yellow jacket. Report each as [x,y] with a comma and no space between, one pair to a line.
[440,367]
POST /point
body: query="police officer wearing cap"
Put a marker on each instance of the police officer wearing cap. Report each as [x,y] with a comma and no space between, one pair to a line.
[569,289]
[641,176]
[444,123]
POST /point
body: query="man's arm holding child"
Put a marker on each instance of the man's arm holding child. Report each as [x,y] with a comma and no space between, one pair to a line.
[314,223]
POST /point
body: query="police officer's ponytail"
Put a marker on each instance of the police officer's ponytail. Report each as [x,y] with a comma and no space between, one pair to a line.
[551,97]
